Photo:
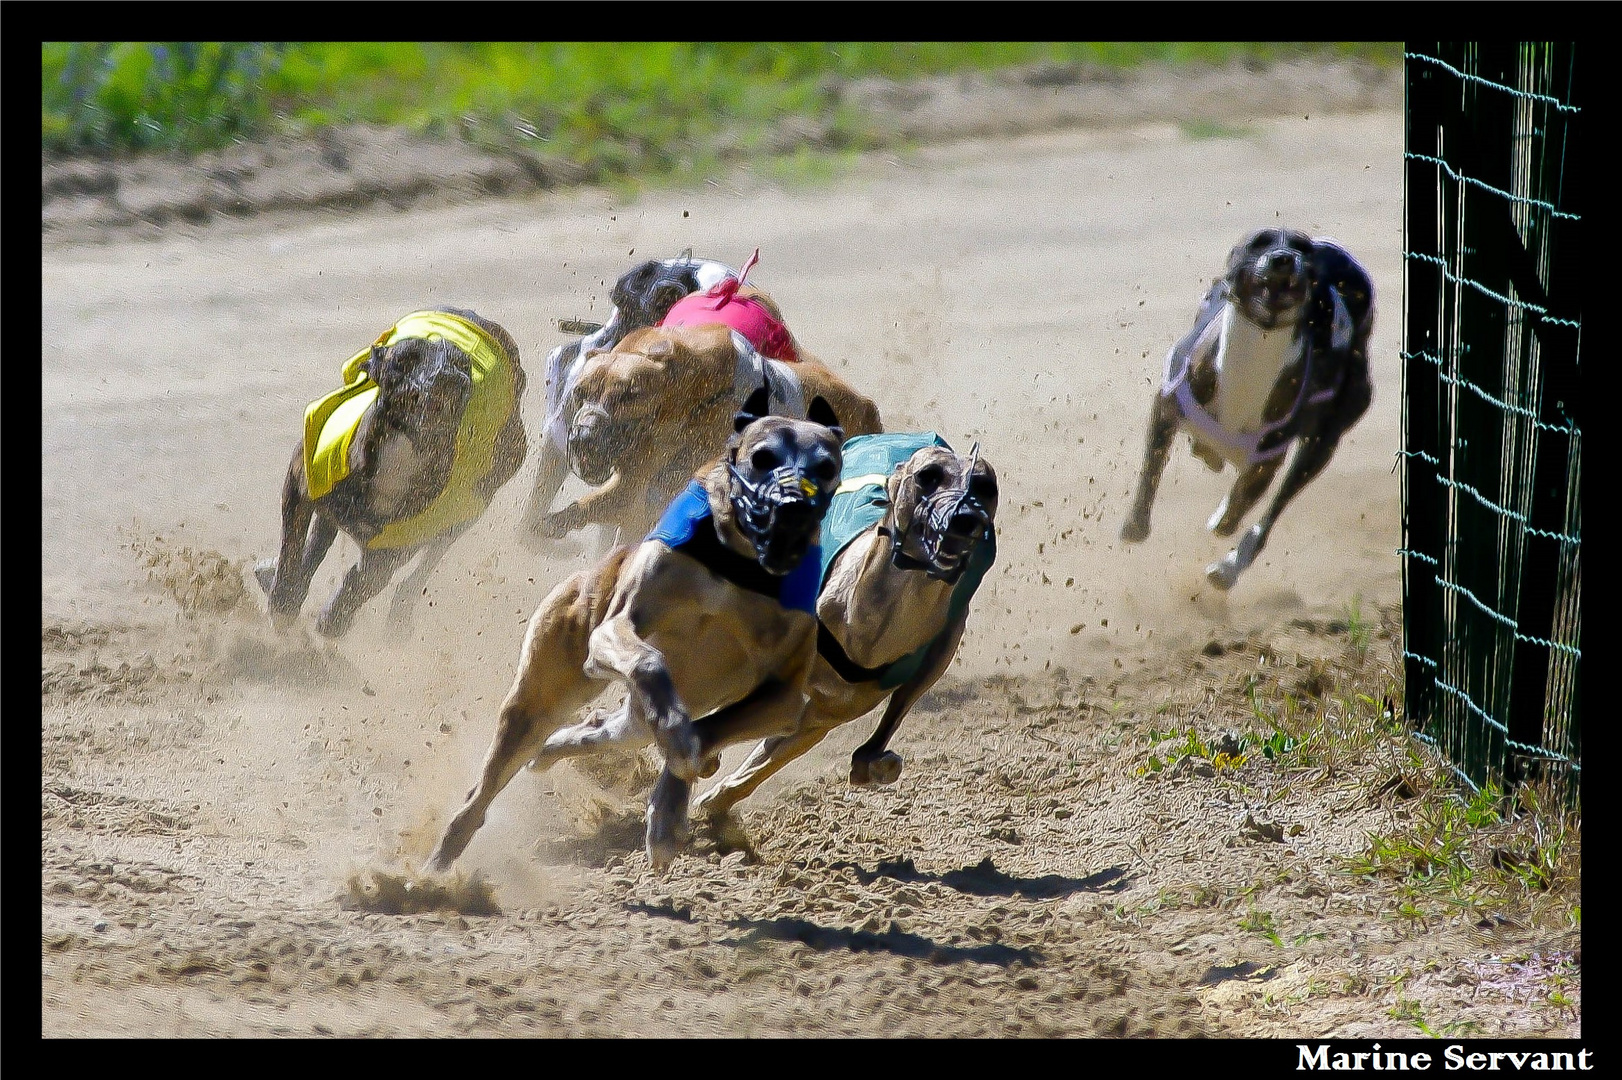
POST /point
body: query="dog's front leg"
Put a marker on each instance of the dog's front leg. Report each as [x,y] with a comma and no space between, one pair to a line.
[872,762]
[549,478]
[1312,452]
[598,505]
[365,579]
[1163,421]
[1308,460]
[306,537]
[775,707]
[1250,485]
[616,649]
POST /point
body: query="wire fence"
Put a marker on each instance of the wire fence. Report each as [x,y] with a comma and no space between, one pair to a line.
[1492,408]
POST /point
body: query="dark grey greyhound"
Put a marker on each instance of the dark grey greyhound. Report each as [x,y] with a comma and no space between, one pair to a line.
[404,458]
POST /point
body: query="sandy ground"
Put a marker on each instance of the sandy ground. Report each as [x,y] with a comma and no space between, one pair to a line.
[212,792]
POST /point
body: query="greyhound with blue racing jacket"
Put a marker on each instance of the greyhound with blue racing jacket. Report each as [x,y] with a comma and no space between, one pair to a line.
[908,539]
[710,622]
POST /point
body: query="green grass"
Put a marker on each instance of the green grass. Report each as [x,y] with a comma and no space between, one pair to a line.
[611,109]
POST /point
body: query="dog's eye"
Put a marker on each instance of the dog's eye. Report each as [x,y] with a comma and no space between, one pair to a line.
[930,478]
[824,470]
[983,488]
[763,460]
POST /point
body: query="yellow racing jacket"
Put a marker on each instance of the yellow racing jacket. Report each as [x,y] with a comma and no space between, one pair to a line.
[331,422]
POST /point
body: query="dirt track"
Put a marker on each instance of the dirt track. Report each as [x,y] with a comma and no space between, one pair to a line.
[209,790]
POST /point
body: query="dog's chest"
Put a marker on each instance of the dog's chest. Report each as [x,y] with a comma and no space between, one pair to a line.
[881,613]
[1249,361]
[720,656]
[397,476]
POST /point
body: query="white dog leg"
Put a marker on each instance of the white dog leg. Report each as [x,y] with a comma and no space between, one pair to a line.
[606,729]
[1225,571]
[1216,518]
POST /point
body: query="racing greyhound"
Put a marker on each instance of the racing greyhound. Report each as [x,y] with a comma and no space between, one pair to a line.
[1277,357]
[711,616]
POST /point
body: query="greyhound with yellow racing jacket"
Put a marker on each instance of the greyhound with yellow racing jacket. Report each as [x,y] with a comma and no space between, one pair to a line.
[404,457]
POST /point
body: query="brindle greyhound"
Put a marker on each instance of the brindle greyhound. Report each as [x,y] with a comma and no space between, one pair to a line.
[404,459]
[650,411]
[1278,356]
[903,551]
[712,616]
[641,298]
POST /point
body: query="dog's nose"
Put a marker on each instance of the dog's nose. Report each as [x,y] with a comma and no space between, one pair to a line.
[588,423]
[966,524]
[796,513]
[1282,262]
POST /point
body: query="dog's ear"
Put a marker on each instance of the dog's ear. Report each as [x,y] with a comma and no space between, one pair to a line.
[373,364]
[1243,251]
[757,406]
[822,413]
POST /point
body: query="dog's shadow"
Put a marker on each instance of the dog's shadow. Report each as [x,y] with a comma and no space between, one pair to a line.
[894,940]
[984,879]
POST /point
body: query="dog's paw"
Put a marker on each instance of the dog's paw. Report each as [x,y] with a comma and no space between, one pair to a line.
[883,768]
[557,525]
[264,572]
[1135,530]
[1223,573]
[667,827]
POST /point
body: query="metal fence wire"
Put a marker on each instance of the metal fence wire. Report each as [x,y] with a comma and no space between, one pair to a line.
[1492,408]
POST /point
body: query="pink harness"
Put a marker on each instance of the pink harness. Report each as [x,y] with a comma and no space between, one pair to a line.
[721,304]
[1248,444]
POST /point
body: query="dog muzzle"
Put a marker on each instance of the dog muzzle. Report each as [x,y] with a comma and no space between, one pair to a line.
[950,524]
[1279,286]
[779,515]
[590,449]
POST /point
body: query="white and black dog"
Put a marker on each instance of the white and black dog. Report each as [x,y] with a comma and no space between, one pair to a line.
[641,298]
[1278,356]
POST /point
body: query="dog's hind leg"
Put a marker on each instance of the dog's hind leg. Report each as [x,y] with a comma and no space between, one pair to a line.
[1309,459]
[1249,487]
[549,686]
[365,579]
[768,756]
[1163,421]
[618,729]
